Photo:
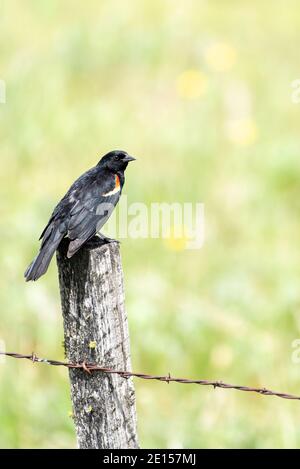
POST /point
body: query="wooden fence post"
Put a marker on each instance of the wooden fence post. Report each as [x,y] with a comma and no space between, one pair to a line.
[96,331]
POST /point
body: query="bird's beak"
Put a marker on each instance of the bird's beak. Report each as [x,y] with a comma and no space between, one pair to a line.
[128,158]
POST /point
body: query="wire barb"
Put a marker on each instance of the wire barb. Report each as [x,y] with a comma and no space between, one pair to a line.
[90,367]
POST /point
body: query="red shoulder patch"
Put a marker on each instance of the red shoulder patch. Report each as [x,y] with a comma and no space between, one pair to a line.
[116,189]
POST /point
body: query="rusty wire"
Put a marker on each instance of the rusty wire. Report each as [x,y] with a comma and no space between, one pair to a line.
[89,368]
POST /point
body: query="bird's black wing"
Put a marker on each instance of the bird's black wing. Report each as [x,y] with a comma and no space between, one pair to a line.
[89,213]
[61,212]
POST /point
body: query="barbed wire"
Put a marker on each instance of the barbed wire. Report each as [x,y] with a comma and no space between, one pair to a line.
[90,367]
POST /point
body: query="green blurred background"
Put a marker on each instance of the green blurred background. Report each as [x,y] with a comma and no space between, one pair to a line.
[200,91]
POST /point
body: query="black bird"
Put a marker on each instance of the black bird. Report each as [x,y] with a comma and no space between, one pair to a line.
[84,209]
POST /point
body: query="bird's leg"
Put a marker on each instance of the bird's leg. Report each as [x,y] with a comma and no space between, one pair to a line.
[93,242]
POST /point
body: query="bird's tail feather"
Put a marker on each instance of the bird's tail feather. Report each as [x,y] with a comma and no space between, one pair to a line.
[41,262]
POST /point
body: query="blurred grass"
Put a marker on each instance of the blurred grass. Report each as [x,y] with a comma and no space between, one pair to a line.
[200,92]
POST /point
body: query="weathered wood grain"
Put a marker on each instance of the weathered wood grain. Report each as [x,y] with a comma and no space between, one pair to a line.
[96,331]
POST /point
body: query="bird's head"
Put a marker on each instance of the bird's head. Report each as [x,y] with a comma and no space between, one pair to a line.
[116,160]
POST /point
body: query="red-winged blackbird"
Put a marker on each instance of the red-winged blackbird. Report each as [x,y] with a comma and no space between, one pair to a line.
[84,209]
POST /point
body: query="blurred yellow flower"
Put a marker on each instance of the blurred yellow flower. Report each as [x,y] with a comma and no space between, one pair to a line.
[222,356]
[220,56]
[241,131]
[191,84]
[175,242]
